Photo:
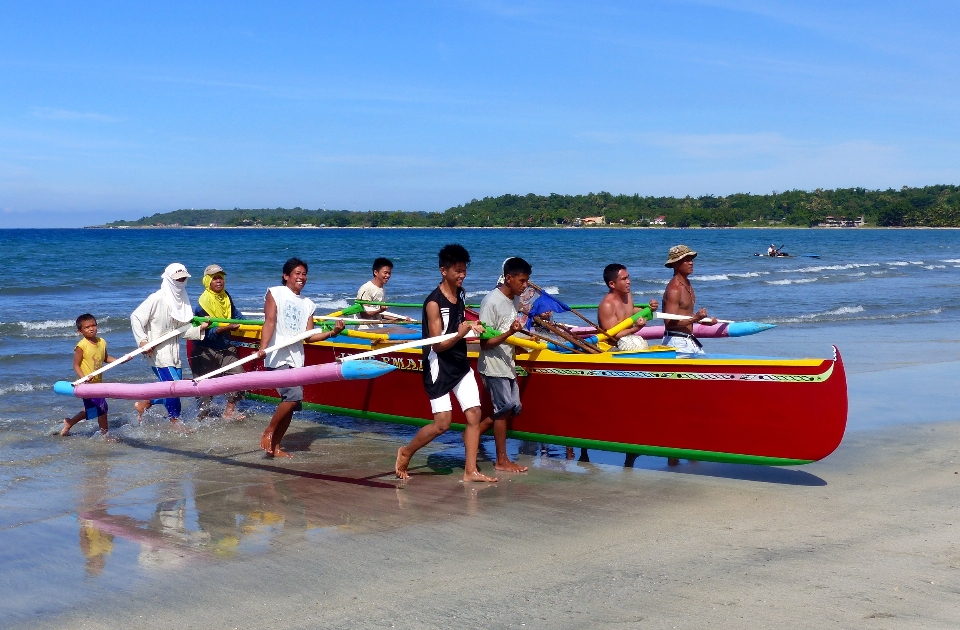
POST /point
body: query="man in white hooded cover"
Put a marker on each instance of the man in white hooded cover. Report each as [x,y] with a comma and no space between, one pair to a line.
[162,312]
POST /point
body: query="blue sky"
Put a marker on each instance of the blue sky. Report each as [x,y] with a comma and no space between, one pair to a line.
[114,110]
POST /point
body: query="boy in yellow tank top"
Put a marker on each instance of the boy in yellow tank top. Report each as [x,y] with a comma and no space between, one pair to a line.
[89,355]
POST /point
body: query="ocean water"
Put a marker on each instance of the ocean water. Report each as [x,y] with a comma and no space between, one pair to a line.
[861,277]
[162,500]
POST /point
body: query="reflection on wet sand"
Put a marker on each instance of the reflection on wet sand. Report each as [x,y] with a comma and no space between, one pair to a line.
[224,506]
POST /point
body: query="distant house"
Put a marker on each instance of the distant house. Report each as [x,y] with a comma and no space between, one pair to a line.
[601,220]
[832,221]
[661,220]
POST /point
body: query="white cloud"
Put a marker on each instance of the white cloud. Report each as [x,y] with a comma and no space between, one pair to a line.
[53,113]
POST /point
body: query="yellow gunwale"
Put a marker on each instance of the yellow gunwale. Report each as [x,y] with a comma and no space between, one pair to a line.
[559,357]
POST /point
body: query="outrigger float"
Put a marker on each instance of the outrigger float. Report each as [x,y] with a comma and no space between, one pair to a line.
[767,411]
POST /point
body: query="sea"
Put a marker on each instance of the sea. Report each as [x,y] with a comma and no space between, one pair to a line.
[885,298]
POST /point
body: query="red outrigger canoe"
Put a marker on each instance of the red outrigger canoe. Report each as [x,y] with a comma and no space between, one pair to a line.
[742,410]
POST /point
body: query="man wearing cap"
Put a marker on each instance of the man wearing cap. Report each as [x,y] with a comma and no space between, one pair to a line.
[216,350]
[162,312]
[679,299]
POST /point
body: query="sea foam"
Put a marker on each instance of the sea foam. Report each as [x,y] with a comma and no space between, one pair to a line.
[791,281]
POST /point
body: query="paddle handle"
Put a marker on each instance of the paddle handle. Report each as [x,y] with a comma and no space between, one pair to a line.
[289,342]
[416,343]
[671,316]
[133,353]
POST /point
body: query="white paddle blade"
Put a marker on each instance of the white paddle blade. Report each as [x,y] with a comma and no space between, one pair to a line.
[133,353]
[416,343]
[671,316]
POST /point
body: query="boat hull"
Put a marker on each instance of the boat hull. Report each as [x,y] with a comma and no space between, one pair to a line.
[758,411]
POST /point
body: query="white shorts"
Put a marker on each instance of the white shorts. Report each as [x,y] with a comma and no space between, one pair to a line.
[684,345]
[466,391]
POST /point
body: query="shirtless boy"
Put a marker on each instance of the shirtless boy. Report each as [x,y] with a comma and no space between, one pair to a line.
[617,305]
[287,313]
[446,369]
[679,299]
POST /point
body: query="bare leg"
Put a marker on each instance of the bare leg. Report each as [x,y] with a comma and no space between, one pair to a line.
[629,460]
[69,422]
[500,439]
[141,406]
[105,428]
[673,461]
[270,440]
[471,444]
[570,453]
[206,402]
[426,434]
[230,412]
[584,455]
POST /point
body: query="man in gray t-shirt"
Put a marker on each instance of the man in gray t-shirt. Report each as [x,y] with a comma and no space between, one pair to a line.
[496,365]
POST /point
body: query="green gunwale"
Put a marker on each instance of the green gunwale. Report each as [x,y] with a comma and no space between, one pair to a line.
[619,447]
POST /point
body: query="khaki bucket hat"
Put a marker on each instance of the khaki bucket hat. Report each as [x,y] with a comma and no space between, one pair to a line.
[678,253]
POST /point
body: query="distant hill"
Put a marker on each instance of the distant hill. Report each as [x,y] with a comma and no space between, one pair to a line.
[931,206]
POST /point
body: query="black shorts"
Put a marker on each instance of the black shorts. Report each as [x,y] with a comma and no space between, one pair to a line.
[504,394]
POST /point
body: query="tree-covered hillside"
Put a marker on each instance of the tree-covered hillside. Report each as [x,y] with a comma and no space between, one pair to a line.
[931,206]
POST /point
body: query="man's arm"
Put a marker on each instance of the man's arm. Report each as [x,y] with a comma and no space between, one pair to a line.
[608,318]
[337,329]
[493,342]
[269,323]
[435,328]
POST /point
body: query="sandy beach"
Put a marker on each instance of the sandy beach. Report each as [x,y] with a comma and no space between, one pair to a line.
[201,531]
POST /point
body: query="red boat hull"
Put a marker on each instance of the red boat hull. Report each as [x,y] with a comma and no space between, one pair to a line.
[772,412]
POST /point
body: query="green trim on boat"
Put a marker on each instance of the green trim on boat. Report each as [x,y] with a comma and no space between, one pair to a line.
[618,447]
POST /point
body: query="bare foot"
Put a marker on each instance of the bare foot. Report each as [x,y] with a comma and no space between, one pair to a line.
[179,426]
[266,442]
[673,461]
[278,452]
[234,417]
[141,406]
[65,431]
[508,466]
[570,454]
[400,468]
[478,476]
[109,438]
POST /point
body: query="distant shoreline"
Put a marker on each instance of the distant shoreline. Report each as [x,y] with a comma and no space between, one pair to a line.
[489,227]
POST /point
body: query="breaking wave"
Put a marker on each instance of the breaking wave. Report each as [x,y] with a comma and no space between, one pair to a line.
[791,281]
[818,268]
[21,387]
[711,278]
[332,303]
[843,313]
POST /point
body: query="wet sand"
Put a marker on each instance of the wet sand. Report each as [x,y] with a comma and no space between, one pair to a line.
[170,531]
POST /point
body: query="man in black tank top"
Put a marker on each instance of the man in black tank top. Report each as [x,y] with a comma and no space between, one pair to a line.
[446,368]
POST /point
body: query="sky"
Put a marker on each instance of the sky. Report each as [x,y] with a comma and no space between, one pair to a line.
[120,110]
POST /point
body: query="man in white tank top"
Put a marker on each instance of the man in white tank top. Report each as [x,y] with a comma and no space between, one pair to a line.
[286,315]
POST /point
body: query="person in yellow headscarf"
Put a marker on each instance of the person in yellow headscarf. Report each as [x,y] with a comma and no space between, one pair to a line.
[216,350]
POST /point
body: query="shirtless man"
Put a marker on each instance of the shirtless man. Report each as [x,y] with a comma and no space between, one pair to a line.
[446,369]
[679,299]
[617,305]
